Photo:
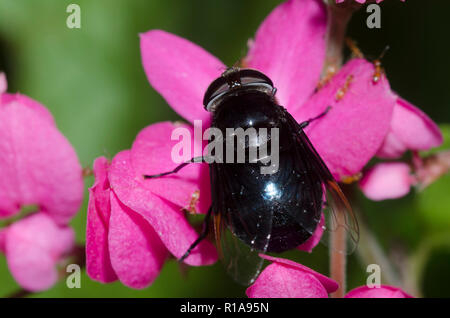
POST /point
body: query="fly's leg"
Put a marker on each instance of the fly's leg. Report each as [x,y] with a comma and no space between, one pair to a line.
[306,123]
[178,168]
[203,235]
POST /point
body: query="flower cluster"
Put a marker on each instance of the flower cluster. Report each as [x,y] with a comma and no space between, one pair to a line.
[133,223]
[287,279]
[412,130]
[38,167]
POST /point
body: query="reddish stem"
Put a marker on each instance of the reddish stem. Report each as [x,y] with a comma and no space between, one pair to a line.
[338,257]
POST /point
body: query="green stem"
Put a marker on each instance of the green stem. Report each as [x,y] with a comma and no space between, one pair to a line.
[370,252]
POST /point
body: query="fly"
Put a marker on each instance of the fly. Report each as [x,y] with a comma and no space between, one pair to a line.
[254,212]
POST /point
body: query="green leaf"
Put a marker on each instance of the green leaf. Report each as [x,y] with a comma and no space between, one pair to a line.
[434,204]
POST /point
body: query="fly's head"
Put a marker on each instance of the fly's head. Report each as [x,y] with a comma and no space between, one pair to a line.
[235,81]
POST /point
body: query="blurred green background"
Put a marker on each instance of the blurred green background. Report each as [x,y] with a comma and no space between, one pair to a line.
[92,81]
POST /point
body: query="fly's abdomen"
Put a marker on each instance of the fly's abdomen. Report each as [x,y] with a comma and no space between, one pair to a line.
[274,213]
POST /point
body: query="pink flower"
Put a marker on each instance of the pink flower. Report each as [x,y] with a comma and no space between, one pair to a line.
[37,163]
[133,223]
[384,291]
[33,247]
[290,48]
[287,279]
[410,129]
[366,119]
[38,166]
[389,180]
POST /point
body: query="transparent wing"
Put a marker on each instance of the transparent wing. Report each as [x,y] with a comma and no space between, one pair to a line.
[240,261]
[336,208]
[339,216]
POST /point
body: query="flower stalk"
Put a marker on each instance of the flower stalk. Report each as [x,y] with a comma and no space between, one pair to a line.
[370,252]
[431,168]
[338,258]
[339,17]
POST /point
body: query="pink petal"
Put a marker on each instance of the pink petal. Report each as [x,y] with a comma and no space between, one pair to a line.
[37,163]
[167,219]
[329,284]
[98,262]
[349,135]
[22,99]
[278,281]
[289,47]
[180,71]
[137,254]
[29,103]
[390,180]
[151,154]
[34,246]
[315,238]
[411,129]
[384,291]
[3,83]
[287,279]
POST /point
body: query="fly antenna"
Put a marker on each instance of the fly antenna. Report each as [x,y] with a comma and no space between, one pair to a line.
[356,52]
[383,53]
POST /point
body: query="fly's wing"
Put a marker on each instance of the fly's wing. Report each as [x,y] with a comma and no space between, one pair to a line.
[241,262]
[339,214]
[336,208]
[234,216]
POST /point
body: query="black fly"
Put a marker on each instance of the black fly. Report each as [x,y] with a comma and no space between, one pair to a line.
[256,213]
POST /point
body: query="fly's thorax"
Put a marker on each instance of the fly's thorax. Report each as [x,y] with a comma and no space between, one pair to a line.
[245,110]
[249,126]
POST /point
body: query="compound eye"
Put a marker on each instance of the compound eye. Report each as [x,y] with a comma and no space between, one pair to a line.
[221,89]
[234,78]
[249,76]
[216,88]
